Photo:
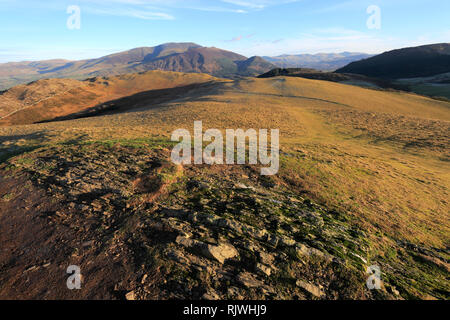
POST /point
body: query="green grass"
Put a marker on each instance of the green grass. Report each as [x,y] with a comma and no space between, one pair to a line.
[130,143]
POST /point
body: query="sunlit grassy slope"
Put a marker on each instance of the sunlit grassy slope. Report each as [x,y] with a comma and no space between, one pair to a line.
[50,98]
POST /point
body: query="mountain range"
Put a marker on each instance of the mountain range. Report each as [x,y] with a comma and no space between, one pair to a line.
[180,57]
[320,61]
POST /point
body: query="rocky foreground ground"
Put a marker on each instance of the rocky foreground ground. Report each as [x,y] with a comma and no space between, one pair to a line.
[141,227]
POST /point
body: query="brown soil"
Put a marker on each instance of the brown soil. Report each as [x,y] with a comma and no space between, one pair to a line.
[36,251]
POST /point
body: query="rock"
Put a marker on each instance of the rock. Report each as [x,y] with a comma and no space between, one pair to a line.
[393,290]
[248,280]
[197,184]
[286,241]
[266,258]
[312,289]
[272,240]
[359,257]
[260,234]
[211,295]
[185,242]
[220,253]
[178,257]
[315,219]
[304,250]
[231,224]
[261,268]
[244,187]
[233,292]
[130,296]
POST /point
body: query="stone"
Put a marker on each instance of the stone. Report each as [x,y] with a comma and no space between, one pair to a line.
[272,240]
[248,280]
[130,296]
[261,234]
[244,187]
[286,241]
[359,257]
[233,292]
[221,253]
[261,268]
[304,250]
[312,289]
[211,295]
[185,242]
[230,224]
[266,258]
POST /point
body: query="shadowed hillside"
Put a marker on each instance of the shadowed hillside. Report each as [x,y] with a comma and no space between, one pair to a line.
[423,61]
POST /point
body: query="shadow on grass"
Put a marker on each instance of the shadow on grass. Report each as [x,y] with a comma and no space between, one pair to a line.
[15,145]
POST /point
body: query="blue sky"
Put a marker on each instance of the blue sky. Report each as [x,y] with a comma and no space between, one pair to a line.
[36,30]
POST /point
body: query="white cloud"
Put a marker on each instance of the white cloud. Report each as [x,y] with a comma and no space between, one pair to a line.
[140,13]
[250,5]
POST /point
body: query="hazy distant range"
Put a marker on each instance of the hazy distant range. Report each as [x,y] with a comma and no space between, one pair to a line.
[320,61]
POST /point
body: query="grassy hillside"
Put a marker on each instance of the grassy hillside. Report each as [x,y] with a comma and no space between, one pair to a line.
[51,98]
[364,180]
[422,61]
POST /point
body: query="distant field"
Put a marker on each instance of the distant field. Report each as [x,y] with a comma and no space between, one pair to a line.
[432,90]
[436,86]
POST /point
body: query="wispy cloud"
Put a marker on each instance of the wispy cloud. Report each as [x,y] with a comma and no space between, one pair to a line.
[139,13]
[240,37]
[166,9]
[258,4]
[250,5]
[140,9]
[151,9]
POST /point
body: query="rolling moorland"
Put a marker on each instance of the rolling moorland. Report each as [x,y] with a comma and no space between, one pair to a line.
[364,180]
